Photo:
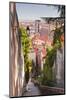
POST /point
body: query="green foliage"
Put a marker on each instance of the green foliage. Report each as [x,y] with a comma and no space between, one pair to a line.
[47,71]
[50,57]
[57,35]
[26,48]
[25,41]
[47,76]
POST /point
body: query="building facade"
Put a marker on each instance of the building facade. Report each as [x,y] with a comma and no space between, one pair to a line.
[16,60]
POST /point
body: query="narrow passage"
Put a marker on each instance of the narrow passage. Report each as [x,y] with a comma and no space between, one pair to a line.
[32,90]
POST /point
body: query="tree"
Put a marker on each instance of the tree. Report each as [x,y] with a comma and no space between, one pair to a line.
[26,49]
[47,76]
[51,57]
[61,9]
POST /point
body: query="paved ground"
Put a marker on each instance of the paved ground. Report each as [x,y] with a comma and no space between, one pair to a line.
[32,90]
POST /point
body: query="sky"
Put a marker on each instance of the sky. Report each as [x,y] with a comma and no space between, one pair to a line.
[28,11]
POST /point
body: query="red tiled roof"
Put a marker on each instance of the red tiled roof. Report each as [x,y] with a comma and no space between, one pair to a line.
[44,37]
[41,37]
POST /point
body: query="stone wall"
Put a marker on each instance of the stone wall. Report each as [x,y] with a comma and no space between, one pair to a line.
[16,61]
